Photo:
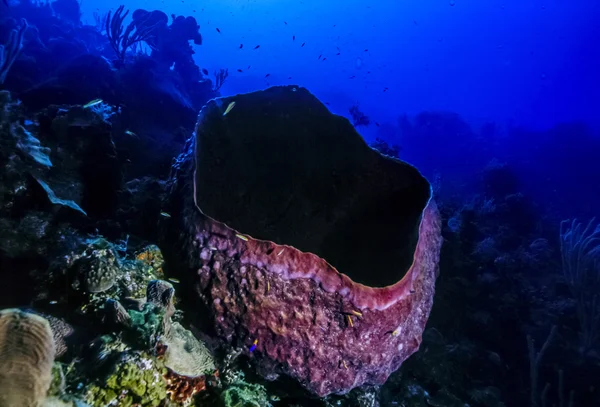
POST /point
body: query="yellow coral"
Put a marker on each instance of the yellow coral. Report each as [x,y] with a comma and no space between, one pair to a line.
[136,380]
[152,257]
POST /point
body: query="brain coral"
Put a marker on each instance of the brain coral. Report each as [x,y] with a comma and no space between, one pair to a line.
[26,358]
[97,267]
[303,246]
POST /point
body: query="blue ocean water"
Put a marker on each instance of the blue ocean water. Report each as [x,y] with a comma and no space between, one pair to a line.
[495,102]
[502,67]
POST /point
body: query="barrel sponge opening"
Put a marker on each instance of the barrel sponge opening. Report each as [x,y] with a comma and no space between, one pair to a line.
[280,167]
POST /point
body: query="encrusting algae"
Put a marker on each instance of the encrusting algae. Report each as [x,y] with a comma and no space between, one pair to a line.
[242,394]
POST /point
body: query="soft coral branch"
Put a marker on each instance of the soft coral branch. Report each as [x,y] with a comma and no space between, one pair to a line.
[10,51]
[120,38]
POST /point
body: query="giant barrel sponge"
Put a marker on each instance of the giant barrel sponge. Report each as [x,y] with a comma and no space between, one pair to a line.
[304,246]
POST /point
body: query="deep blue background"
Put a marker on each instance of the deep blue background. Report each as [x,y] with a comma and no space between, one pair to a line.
[528,62]
[511,70]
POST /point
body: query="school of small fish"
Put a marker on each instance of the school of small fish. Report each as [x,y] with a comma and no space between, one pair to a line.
[321,57]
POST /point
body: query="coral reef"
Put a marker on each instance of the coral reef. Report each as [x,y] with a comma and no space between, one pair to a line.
[255,265]
[499,180]
[153,258]
[26,357]
[97,267]
[243,394]
[65,61]
[135,380]
[181,389]
[161,294]
[144,358]
[185,355]
[147,325]
[301,253]
[116,313]
[60,189]
[62,333]
[145,343]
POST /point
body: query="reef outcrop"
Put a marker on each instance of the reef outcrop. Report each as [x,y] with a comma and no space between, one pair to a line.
[304,246]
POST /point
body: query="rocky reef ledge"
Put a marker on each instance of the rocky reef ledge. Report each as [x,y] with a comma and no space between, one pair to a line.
[299,243]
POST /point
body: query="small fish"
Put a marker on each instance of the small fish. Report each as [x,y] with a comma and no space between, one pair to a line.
[53,302]
[244,238]
[257,47]
[93,103]
[28,122]
[345,365]
[205,71]
[385,89]
[320,56]
[395,333]
[293,38]
[377,124]
[102,355]
[353,76]
[253,345]
[338,53]
[267,75]
[229,107]
[302,44]
[268,286]
[239,70]
[241,46]
[165,215]
[174,280]
[280,252]
[357,313]
[219,31]
[130,133]
[285,22]
[350,321]
[324,58]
